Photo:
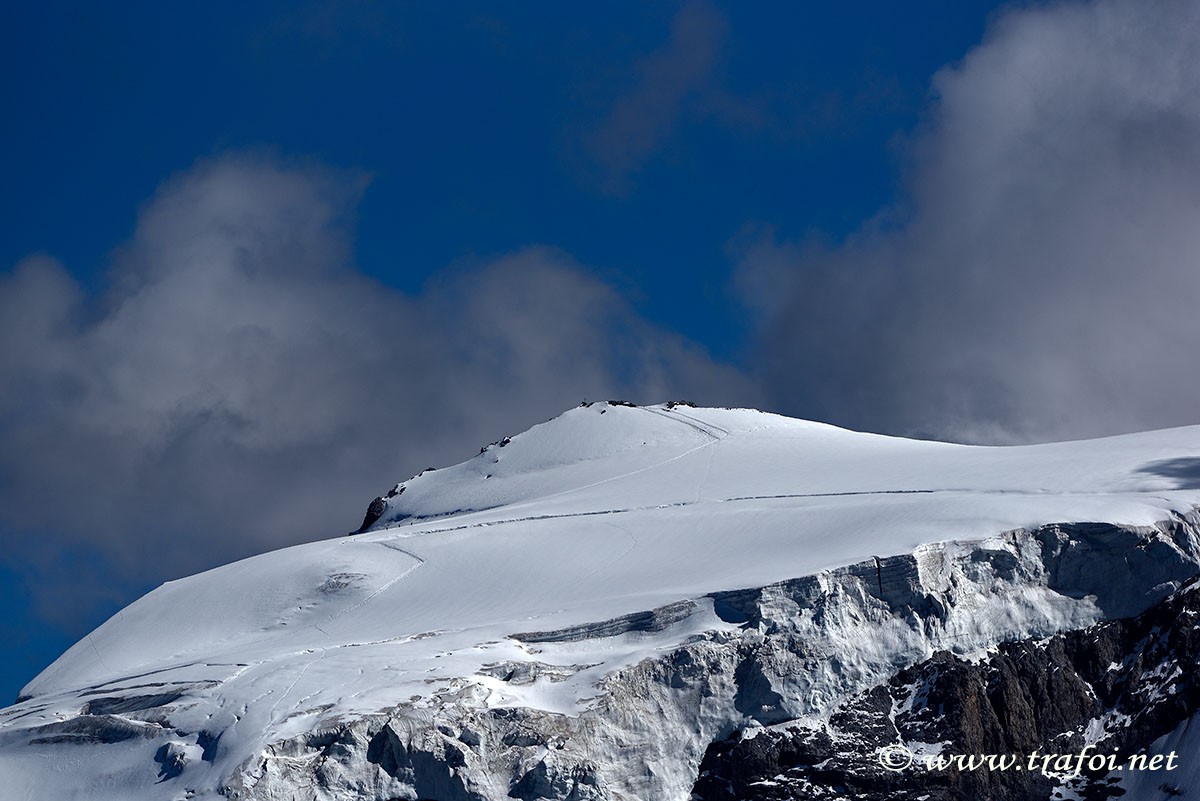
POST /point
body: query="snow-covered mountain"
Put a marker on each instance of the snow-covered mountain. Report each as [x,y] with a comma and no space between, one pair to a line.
[596,607]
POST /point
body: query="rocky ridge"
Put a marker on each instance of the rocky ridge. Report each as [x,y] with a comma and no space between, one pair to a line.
[1113,689]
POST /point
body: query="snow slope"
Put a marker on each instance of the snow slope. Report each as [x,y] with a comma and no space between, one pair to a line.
[605,511]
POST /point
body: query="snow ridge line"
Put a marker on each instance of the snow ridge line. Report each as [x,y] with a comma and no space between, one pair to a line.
[542,498]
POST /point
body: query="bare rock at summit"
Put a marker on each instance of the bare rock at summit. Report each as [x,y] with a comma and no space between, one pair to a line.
[374,511]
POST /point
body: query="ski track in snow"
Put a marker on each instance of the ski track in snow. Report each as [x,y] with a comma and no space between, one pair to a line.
[739,499]
[385,587]
[291,687]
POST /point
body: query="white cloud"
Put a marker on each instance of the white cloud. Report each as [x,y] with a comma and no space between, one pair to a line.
[1042,279]
[243,387]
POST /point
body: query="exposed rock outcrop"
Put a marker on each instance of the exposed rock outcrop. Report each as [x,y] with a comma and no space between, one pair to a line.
[1117,687]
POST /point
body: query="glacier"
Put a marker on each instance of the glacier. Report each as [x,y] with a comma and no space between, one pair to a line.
[581,610]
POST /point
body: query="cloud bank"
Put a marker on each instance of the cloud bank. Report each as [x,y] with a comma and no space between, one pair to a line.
[1042,278]
[240,386]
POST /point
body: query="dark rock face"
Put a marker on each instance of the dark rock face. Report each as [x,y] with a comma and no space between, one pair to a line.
[171,760]
[542,782]
[433,775]
[1127,682]
[379,506]
[374,511]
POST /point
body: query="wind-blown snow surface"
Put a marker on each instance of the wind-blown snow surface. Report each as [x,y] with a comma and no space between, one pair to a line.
[605,511]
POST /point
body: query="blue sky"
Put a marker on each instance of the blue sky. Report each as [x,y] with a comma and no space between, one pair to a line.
[263,260]
[473,123]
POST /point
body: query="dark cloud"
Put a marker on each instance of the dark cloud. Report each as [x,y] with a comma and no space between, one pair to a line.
[1041,279]
[241,387]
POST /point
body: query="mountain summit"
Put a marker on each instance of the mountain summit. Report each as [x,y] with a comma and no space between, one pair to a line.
[590,609]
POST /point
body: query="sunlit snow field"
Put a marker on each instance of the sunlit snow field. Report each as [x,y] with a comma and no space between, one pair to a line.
[604,511]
